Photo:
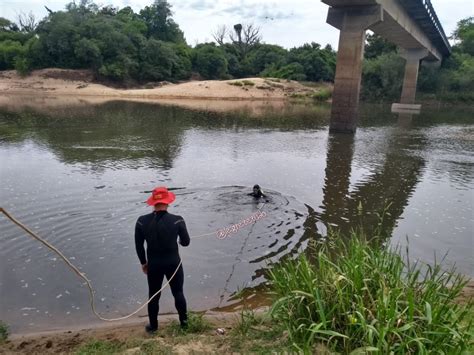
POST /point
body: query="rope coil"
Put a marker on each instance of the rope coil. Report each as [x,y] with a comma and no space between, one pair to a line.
[83,275]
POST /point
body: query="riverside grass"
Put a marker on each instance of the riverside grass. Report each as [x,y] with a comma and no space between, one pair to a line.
[357,298]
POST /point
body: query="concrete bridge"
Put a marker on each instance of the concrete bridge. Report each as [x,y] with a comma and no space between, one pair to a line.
[410,24]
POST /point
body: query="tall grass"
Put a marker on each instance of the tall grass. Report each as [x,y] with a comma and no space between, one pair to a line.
[352,296]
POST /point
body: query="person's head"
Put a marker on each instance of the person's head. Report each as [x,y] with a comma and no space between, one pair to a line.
[256,189]
[160,198]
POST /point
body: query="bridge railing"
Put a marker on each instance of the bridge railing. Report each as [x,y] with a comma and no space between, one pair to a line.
[424,13]
[435,21]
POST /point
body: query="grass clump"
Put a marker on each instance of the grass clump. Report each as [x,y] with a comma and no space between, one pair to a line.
[236,83]
[197,324]
[99,347]
[242,83]
[3,332]
[248,83]
[352,296]
[154,348]
[323,94]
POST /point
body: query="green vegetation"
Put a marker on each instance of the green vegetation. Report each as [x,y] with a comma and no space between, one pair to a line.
[196,325]
[97,347]
[3,332]
[353,296]
[242,83]
[321,95]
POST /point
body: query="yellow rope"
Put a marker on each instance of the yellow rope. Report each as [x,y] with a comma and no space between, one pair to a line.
[83,276]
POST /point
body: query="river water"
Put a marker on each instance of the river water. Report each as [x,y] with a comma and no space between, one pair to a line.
[78,175]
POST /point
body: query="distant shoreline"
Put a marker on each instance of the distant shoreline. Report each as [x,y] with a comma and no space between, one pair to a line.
[80,83]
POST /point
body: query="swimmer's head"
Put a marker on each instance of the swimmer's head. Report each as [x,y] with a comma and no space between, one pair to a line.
[256,189]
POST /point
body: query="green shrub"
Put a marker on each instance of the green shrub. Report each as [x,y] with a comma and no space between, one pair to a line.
[3,332]
[22,66]
[323,94]
[355,296]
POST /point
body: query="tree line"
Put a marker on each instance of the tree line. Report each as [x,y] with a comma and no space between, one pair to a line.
[125,46]
[130,47]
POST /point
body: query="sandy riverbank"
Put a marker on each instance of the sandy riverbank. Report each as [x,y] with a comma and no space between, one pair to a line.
[80,83]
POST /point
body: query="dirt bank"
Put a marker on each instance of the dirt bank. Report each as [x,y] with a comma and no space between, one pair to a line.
[80,83]
[215,334]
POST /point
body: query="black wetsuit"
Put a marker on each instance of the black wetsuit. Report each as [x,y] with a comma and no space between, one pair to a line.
[257,195]
[160,230]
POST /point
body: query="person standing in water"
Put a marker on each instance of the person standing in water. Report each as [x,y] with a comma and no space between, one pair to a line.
[161,230]
[257,192]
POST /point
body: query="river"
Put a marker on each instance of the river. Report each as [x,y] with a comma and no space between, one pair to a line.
[78,175]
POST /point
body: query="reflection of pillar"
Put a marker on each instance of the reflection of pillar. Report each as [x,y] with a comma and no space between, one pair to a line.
[413,58]
[352,22]
[336,185]
[405,120]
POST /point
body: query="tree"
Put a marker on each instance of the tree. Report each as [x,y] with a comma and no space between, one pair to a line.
[210,61]
[88,52]
[27,22]
[464,36]
[382,77]
[376,45]
[263,56]
[319,64]
[5,24]
[245,37]
[220,34]
[9,50]
[159,22]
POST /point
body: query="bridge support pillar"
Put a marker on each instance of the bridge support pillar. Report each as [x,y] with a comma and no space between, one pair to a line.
[412,66]
[353,23]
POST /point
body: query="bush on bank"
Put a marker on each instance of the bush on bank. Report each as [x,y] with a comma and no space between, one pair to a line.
[352,296]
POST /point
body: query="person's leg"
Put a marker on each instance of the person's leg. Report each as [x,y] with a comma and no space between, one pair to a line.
[176,285]
[155,279]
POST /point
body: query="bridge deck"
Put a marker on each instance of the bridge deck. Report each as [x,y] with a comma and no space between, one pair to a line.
[422,14]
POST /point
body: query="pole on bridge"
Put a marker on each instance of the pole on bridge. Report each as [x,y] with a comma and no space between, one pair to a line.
[353,23]
[412,66]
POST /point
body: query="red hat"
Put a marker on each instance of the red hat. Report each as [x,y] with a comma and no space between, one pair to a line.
[161,195]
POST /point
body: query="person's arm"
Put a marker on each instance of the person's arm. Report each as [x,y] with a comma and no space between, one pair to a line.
[184,239]
[139,242]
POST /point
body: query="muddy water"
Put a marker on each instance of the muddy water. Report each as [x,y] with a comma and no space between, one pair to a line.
[79,175]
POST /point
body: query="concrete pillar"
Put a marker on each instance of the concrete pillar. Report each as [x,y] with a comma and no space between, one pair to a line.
[413,58]
[352,22]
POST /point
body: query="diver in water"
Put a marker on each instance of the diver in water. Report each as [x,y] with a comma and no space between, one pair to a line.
[257,192]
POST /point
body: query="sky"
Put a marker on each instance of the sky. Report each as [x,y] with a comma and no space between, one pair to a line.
[288,23]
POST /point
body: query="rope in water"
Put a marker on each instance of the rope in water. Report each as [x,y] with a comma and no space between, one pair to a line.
[83,276]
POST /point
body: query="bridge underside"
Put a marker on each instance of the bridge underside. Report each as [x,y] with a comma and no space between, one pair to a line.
[406,23]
